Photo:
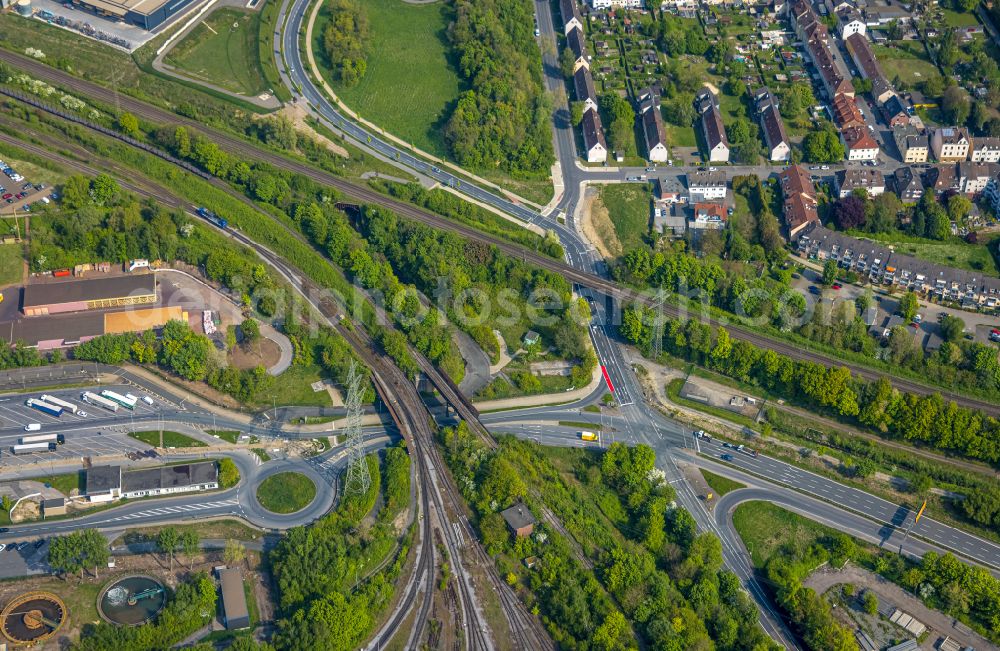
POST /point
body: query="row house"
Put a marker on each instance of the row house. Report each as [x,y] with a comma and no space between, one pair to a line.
[859,145]
[775,137]
[860,50]
[652,127]
[583,84]
[883,266]
[799,206]
[578,46]
[895,112]
[823,58]
[707,187]
[870,180]
[907,185]
[570,16]
[711,127]
[850,21]
[974,177]
[846,113]
[942,179]
[985,150]
[913,146]
[950,144]
[617,4]
[593,137]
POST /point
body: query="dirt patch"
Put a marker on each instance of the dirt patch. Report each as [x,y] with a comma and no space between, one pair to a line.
[262,352]
[297,114]
[597,226]
[712,87]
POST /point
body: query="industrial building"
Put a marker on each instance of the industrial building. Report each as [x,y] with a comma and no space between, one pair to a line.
[147,14]
[107,483]
[80,295]
[234,601]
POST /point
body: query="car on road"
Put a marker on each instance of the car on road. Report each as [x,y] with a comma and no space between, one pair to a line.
[147,400]
[994,335]
[651,169]
[82,413]
[632,179]
[836,285]
[713,169]
[4,529]
[813,289]
[824,167]
[2,547]
[32,427]
[726,457]
[814,167]
[727,445]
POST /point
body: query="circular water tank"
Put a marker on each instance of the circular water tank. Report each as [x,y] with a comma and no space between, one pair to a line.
[24,8]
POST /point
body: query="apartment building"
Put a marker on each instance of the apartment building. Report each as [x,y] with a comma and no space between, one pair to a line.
[652,127]
[985,150]
[707,187]
[950,144]
[711,127]
[907,185]
[593,138]
[870,180]
[583,85]
[799,207]
[913,145]
[775,137]
[859,144]
[570,15]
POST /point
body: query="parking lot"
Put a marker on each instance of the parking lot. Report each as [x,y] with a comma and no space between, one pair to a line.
[100,432]
[23,559]
[17,193]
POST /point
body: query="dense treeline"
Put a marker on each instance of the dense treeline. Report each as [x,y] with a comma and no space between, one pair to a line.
[479,288]
[877,405]
[656,582]
[345,40]
[502,121]
[192,606]
[182,351]
[316,568]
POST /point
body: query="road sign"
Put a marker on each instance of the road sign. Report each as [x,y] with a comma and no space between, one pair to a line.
[920,512]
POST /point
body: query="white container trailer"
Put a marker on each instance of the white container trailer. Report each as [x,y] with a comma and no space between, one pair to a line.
[28,448]
[67,406]
[100,401]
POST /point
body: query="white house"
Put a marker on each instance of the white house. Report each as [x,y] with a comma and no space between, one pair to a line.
[706,187]
[652,127]
[712,127]
[859,144]
[593,138]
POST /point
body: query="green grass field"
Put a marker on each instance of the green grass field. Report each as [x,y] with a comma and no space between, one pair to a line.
[952,252]
[293,388]
[765,527]
[228,435]
[223,50]
[908,62]
[286,492]
[170,439]
[64,483]
[11,264]
[628,207]
[956,19]
[721,485]
[680,136]
[409,83]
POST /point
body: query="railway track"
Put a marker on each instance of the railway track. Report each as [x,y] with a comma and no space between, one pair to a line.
[367,195]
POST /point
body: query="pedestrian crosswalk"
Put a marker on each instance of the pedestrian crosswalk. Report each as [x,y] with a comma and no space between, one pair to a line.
[180,508]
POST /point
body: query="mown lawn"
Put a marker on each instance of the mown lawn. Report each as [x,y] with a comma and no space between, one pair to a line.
[909,62]
[410,83]
[170,439]
[11,265]
[286,492]
[721,485]
[63,483]
[223,50]
[629,209]
[293,388]
[765,527]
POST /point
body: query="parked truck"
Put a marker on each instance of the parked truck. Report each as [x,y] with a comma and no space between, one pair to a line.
[100,401]
[44,407]
[67,406]
[28,448]
[59,439]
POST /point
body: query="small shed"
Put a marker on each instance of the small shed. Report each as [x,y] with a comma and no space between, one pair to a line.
[520,520]
[531,338]
[53,507]
[234,600]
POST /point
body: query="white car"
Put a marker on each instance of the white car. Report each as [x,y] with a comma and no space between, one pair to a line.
[32,427]
[2,547]
[147,400]
[81,413]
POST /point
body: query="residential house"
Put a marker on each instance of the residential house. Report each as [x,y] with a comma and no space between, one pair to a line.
[908,186]
[860,50]
[884,13]
[882,90]
[708,216]
[775,137]
[712,129]
[823,58]
[859,144]
[593,137]
[974,177]
[942,179]
[913,145]
[992,193]
[850,21]
[985,150]
[846,113]
[519,519]
[652,127]
[950,144]
[669,219]
[707,187]
[799,208]
[671,190]
[870,180]
[578,46]
[583,83]
[895,112]
[622,4]
[570,16]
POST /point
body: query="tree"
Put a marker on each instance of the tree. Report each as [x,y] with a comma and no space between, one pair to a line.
[104,190]
[870,603]
[955,105]
[76,192]
[6,504]
[129,125]
[908,306]
[189,542]
[823,146]
[233,553]
[229,474]
[576,113]
[829,272]
[849,212]
[567,62]
[958,207]
[77,550]
[951,327]
[345,39]
[167,541]
[250,329]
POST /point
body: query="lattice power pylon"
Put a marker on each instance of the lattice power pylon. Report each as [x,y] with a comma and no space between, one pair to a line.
[659,323]
[358,480]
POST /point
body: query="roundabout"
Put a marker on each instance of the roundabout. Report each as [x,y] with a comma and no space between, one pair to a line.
[286,492]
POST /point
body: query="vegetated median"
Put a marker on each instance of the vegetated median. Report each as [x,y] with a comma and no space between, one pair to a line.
[286,492]
[170,439]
